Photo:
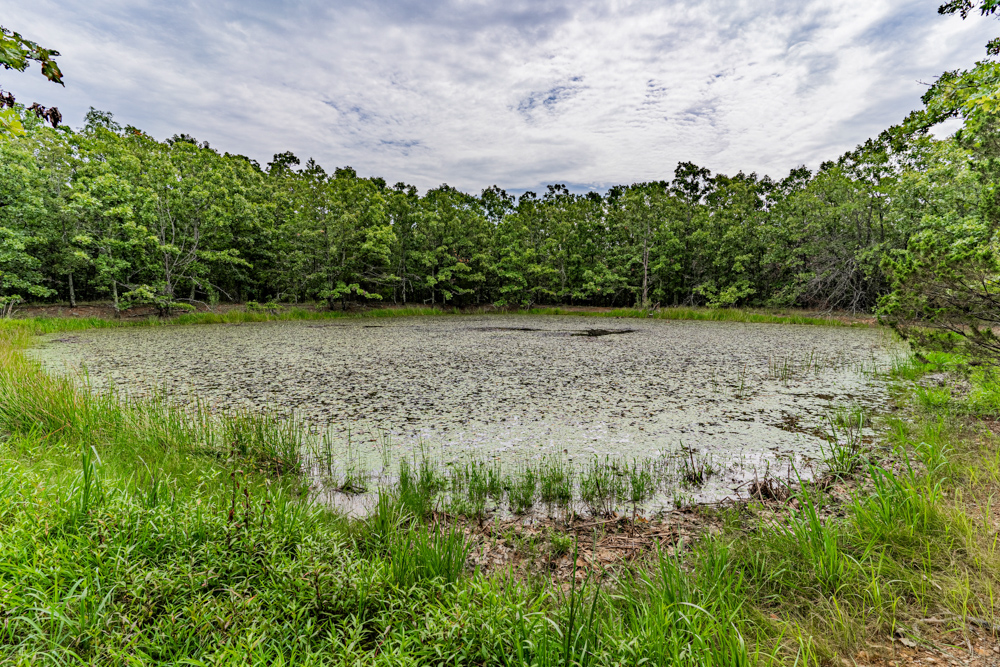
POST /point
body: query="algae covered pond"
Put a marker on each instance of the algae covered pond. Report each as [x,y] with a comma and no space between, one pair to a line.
[513,389]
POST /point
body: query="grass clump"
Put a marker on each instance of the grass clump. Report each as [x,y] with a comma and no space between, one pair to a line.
[845,454]
[556,484]
[601,487]
[419,488]
[695,468]
[521,487]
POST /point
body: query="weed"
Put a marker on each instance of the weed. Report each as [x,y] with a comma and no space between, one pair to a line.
[556,483]
[269,444]
[819,544]
[695,470]
[742,389]
[899,508]
[494,482]
[786,368]
[436,553]
[418,489]
[933,399]
[561,543]
[845,455]
[601,486]
[521,489]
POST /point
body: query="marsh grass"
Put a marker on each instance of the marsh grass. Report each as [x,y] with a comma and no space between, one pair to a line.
[521,486]
[696,468]
[434,553]
[480,488]
[264,441]
[601,486]
[556,484]
[277,313]
[742,388]
[845,453]
[701,314]
[135,532]
[789,367]
[45,325]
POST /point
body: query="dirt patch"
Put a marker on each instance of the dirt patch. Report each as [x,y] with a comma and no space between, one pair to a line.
[937,642]
[546,547]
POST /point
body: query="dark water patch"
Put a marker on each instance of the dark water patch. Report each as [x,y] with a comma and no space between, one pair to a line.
[505,329]
[603,332]
[792,423]
[572,332]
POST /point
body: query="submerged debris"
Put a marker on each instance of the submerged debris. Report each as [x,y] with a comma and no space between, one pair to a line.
[507,329]
[768,489]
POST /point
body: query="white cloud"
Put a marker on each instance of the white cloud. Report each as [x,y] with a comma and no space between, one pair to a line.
[515,93]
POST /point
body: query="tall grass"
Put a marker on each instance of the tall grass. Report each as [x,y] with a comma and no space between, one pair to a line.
[129,433]
[47,325]
[702,314]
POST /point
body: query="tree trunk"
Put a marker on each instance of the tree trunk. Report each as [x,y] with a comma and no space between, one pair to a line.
[114,295]
[168,293]
[645,277]
[72,292]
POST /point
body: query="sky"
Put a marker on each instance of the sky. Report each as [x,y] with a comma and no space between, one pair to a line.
[517,93]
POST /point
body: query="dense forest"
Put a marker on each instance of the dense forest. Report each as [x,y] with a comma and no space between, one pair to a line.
[109,212]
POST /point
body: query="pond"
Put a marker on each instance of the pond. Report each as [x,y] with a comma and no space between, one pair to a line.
[745,398]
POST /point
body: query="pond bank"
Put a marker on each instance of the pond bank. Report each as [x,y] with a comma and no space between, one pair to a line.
[46,317]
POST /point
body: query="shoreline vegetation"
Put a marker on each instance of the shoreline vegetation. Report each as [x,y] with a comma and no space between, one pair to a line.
[49,319]
[141,533]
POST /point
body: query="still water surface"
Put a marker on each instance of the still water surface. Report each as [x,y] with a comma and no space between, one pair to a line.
[513,388]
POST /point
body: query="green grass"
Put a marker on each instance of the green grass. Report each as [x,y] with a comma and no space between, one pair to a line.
[44,325]
[703,314]
[556,484]
[135,532]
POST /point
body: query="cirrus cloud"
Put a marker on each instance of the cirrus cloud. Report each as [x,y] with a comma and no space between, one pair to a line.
[517,93]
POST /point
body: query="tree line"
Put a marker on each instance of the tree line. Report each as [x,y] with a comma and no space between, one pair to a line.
[108,212]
